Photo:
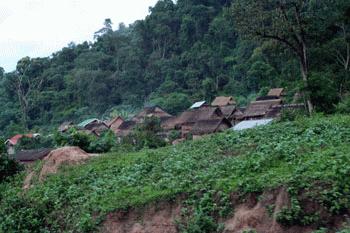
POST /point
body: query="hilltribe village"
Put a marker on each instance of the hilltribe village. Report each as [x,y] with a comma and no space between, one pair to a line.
[200,119]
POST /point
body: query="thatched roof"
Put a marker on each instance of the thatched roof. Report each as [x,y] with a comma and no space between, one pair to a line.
[228,110]
[127,125]
[31,155]
[125,128]
[204,113]
[210,126]
[276,92]
[260,108]
[154,111]
[65,126]
[261,98]
[223,100]
[169,124]
[96,126]
[114,120]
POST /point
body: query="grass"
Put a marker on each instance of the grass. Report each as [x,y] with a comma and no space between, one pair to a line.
[294,154]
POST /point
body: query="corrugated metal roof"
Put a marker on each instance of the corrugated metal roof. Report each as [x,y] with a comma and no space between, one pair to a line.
[198,104]
[86,122]
[251,124]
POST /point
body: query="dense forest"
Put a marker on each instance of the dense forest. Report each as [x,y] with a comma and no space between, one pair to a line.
[185,51]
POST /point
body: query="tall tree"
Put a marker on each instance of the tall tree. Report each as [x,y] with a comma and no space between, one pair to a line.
[289,22]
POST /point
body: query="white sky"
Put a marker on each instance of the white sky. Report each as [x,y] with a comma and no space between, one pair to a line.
[37,28]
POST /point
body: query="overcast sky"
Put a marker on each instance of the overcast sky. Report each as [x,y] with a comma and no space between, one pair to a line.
[37,28]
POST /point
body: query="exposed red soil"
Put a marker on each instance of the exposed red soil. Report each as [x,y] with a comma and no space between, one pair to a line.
[158,218]
[253,214]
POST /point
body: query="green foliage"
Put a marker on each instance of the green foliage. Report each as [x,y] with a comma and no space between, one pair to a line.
[104,143]
[202,213]
[308,156]
[183,52]
[73,137]
[87,142]
[173,103]
[344,105]
[8,167]
[146,135]
[2,147]
[292,114]
[26,143]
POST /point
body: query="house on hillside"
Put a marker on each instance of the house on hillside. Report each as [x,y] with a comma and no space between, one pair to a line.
[277,92]
[232,113]
[125,128]
[154,111]
[223,101]
[30,156]
[12,142]
[210,126]
[115,123]
[93,126]
[65,126]
[187,119]
[263,109]
[199,104]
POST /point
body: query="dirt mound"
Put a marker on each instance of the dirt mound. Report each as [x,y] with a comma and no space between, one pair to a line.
[62,156]
[159,218]
[253,215]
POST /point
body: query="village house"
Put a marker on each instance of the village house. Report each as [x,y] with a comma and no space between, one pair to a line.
[154,111]
[263,109]
[277,92]
[65,126]
[125,129]
[93,126]
[12,142]
[210,126]
[115,123]
[30,156]
[223,101]
[189,118]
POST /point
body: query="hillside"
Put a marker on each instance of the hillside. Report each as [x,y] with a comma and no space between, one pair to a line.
[184,51]
[286,177]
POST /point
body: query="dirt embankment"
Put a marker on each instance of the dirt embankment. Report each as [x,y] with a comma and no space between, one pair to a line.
[160,218]
[54,160]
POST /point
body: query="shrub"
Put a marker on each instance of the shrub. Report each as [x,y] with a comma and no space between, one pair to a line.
[8,167]
[26,143]
[344,105]
[103,144]
[73,137]
[145,135]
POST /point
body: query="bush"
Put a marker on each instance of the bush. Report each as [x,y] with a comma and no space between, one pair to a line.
[26,143]
[292,114]
[73,137]
[145,136]
[344,105]
[103,144]
[87,142]
[8,167]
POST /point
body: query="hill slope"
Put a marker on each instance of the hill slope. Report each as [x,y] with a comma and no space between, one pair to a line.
[306,163]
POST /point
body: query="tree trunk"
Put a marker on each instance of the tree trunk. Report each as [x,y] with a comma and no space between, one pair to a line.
[304,74]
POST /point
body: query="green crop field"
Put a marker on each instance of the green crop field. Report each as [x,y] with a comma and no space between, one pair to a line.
[310,155]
